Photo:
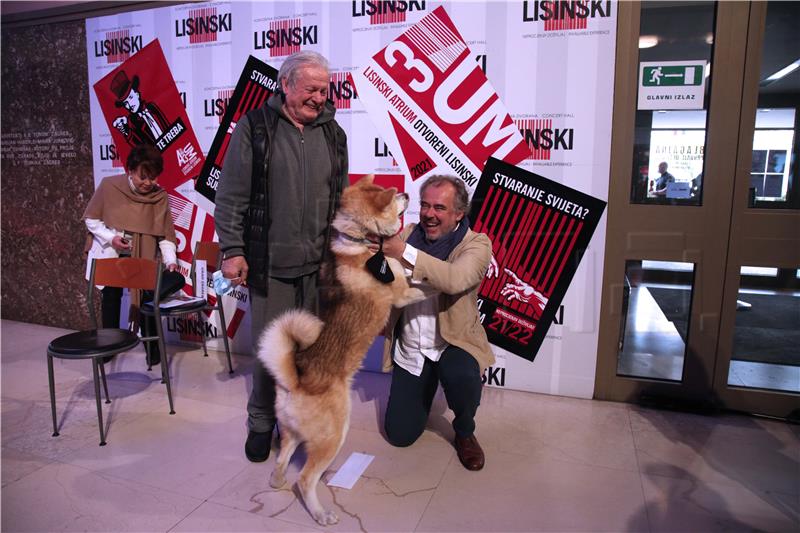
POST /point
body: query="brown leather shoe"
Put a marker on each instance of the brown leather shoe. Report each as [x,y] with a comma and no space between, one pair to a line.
[469,452]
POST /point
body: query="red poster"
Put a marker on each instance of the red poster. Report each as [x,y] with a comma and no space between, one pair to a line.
[141,105]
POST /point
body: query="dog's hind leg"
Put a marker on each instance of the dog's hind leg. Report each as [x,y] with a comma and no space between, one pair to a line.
[289,443]
[320,456]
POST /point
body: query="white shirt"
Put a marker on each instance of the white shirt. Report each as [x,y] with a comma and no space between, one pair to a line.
[419,337]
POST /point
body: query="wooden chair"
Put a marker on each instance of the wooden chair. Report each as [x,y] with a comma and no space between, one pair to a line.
[94,344]
[210,253]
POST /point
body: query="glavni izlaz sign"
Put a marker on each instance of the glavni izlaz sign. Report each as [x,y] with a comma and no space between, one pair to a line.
[539,231]
[434,105]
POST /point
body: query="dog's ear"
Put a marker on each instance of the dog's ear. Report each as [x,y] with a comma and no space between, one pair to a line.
[366,180]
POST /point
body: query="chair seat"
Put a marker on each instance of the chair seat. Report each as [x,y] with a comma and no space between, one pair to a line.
[189,307]
[92,343]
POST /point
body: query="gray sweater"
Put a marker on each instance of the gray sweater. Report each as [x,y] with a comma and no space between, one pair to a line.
[299,177]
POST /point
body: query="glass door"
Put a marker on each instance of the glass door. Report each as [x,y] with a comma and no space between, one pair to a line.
[758,356]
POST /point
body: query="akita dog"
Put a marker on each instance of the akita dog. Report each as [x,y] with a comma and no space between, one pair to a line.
[312,358]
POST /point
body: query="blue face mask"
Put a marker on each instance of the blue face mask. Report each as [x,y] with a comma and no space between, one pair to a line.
[222,285]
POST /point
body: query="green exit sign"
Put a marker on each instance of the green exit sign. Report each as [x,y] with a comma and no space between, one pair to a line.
[672,75]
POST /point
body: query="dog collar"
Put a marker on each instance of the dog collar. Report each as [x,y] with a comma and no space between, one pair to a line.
[356,240]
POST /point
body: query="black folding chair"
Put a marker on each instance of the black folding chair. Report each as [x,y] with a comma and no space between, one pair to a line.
[94,344]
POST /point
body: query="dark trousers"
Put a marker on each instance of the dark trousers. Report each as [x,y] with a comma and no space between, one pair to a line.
[171,282]
[284,294]
[410,396]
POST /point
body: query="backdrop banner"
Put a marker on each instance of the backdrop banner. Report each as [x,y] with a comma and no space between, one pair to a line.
[420,87]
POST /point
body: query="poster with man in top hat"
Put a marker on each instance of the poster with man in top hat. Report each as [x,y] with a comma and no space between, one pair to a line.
[141,104]
[145,122]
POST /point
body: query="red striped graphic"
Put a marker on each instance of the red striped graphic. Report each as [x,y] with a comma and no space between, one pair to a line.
[204,37]
[529,239]
[337,78]
[439,43]
[529,129]
[254,95]
[387,16]
[567,22]
[224,95]
[282,27]
[565,257]
[113,35]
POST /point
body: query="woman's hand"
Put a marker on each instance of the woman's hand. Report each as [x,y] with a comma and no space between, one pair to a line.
[172,267]
[120,244]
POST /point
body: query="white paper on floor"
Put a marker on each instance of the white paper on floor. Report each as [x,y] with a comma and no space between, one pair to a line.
[351,470]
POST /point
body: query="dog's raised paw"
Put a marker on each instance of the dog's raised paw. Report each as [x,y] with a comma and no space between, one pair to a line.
[277,480]
[326,518]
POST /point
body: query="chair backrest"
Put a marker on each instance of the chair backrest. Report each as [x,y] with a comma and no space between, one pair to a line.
[123,272]
[126,272]
[209,252]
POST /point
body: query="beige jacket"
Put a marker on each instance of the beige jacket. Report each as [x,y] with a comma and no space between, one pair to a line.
[458,279]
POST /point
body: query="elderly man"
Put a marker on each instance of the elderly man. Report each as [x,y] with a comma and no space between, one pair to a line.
[441,339]
[281,180]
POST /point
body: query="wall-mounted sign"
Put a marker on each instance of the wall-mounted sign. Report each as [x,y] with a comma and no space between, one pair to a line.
[671,84]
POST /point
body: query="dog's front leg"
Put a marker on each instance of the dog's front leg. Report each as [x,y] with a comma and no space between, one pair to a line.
[407,296]
[402,293]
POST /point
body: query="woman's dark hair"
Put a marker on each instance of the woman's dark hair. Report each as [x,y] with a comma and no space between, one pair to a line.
[147,158]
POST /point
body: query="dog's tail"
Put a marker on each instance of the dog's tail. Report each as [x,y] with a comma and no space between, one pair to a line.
[292,331]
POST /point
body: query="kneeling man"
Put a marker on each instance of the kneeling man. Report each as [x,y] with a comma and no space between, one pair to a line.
[440,339]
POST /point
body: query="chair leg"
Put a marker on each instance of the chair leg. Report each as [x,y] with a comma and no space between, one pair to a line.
[224,328]
[96,376]
[147,348]
[164,363]
[52,393]
[202,334]
[105,383]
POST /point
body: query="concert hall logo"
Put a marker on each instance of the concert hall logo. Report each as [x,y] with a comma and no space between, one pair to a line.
[216,107]
[203,25]
[285,37]
[564,14]
[386,11]
[342,89]
[542,138]
[108,152]
[117,46]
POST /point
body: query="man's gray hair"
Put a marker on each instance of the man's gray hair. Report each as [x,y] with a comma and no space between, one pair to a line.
[298,60]
[461,196]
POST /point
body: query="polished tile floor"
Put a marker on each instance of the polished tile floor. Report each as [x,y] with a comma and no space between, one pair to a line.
[553,463]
